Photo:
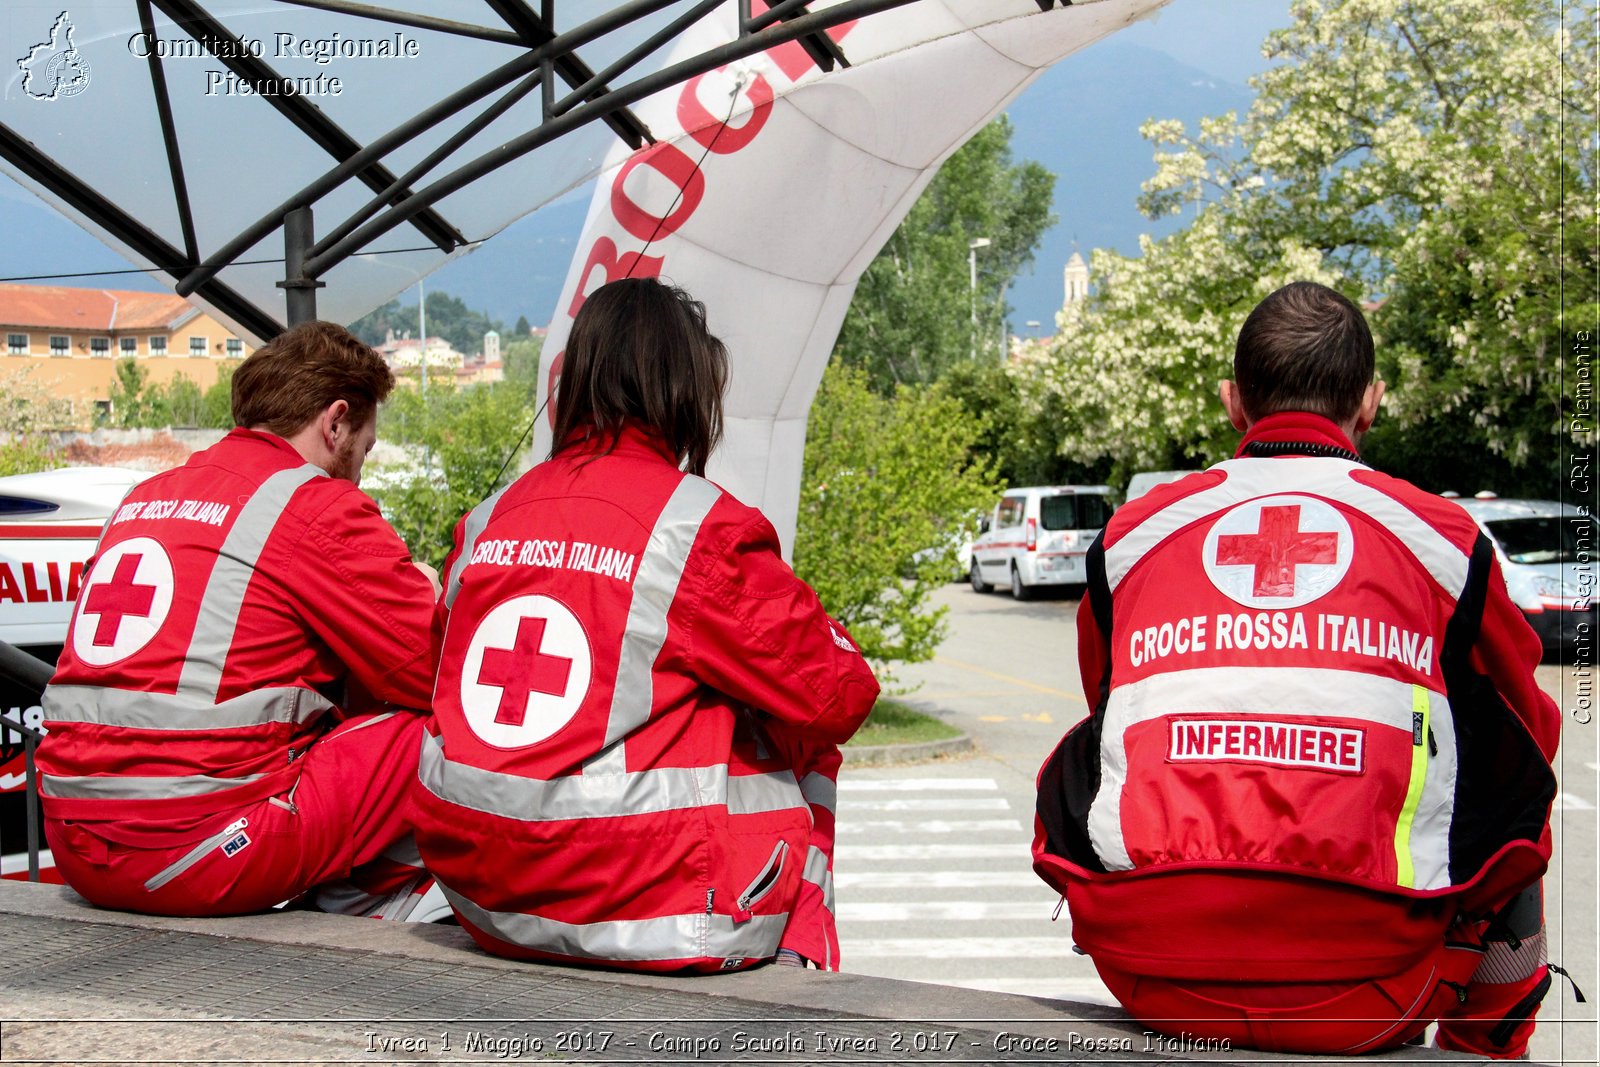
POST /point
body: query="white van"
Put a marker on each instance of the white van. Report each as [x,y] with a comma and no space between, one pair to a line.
[1038,535]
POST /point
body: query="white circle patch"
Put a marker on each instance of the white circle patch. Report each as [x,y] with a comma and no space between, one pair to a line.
[1278,551]
[526,673]
[124,603]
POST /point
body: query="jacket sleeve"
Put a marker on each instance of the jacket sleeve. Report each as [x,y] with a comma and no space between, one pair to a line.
[1508,652]
[364,598]
[759,634]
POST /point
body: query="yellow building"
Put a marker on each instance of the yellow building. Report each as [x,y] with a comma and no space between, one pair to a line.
[72,338]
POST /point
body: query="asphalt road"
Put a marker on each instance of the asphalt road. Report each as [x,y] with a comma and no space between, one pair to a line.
[934,882]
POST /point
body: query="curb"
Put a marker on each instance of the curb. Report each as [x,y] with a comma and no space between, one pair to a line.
[881,755]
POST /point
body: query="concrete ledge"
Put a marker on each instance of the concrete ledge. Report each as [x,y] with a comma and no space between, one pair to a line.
[880,755]
[85,984]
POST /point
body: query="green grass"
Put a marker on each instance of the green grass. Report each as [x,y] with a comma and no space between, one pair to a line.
[893,723]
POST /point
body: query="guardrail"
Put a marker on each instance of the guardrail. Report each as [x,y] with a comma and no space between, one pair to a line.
[33,674]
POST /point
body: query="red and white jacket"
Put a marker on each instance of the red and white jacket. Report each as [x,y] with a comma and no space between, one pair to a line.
[1314,712]
[629,677]
[232,604]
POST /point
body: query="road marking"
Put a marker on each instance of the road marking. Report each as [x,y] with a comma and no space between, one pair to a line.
[1043,716]
[959,948]
[942,911]
[994,718]
[1009,679]
[880,853]
[941,880]
[931,826]
[1568,802]
[942,694]
[928,804]
[908,785]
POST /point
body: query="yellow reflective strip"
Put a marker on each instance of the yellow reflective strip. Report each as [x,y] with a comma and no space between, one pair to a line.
[1405,874]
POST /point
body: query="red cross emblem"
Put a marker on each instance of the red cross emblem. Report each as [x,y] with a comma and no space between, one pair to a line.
[1276,549]
[119,597]
[522,670]
[526,671]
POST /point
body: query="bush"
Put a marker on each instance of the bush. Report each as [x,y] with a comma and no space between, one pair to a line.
[886,483]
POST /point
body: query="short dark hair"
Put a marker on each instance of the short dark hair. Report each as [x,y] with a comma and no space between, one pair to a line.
[291,379]
[639,349]
[1304,348]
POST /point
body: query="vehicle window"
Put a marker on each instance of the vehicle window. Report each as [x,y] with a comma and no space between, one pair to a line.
[1094,509]
[1546,539]
[1011,511]
[1059,512]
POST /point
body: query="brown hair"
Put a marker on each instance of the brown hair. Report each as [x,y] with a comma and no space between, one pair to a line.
[639,349]
[291,379]
[1304,348]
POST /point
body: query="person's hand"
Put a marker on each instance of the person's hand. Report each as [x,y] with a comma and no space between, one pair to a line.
[432,576]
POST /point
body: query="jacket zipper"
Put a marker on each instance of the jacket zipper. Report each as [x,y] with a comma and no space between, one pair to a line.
[763,884]
[194,855]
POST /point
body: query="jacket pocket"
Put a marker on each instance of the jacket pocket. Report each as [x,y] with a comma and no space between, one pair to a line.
[195,855]
[764,883]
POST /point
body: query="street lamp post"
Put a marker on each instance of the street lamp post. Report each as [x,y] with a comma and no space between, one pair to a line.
[972,267]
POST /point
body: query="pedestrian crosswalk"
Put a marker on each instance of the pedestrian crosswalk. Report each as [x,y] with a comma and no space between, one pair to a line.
[934,883]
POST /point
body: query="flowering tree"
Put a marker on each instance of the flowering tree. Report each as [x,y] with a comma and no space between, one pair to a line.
[1426,155]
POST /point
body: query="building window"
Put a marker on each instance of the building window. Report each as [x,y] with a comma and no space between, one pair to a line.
[235,348]
[60,345]
[100,347]
[197,346]
[130,346]
[17,344]
[158,345]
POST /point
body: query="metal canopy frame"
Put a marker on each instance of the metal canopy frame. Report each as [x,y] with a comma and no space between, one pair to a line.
[591,96]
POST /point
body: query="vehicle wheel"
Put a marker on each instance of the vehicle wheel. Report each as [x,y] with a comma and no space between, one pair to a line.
[1018,590]
[975,576]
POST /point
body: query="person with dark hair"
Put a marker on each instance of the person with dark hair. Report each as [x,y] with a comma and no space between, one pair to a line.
[234,718]
[633,757]
[1309,810]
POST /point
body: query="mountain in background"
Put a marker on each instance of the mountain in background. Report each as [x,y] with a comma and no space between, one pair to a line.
[1080,119]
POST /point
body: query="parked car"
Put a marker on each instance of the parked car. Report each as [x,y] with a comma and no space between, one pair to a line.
[1037,536]
[49,524]
[1550,557]
[1144,481]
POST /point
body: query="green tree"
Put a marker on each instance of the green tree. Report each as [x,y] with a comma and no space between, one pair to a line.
[27,410]
[1427,156]
[129,399]
[1021,420]
[216,407]
[459,439]
[521,359]
[522,328]
[911,317]
[448,317]
[886,480]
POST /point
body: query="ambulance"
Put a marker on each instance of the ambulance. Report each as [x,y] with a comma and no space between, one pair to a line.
[1038,536]
[49,524]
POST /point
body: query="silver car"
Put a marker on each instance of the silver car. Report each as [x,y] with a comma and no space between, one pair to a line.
[1550,557]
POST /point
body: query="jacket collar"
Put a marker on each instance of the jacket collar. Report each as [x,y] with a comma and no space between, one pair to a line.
[634,439]
[1296,433]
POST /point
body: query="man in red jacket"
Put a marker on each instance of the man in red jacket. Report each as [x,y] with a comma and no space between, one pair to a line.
[234,719]
[1309,810]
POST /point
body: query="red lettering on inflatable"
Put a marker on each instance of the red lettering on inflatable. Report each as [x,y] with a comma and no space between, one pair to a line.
[53,570]
[791,57]
[627,265]
[9,589]
[74,579]
[671,163]
[707,129]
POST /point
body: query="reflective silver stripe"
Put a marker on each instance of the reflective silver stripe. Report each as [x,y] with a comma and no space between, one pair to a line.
[190,858]
[654,587]
[1320,692]
[670,937]
[477,521]
[181,711]
[1329,478]
[129,787]
[230,579]
[587,796]
[817,873]
[820,790]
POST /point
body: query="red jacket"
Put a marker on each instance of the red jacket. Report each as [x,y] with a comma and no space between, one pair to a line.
[232,604]
[1314,705]
[624,654]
